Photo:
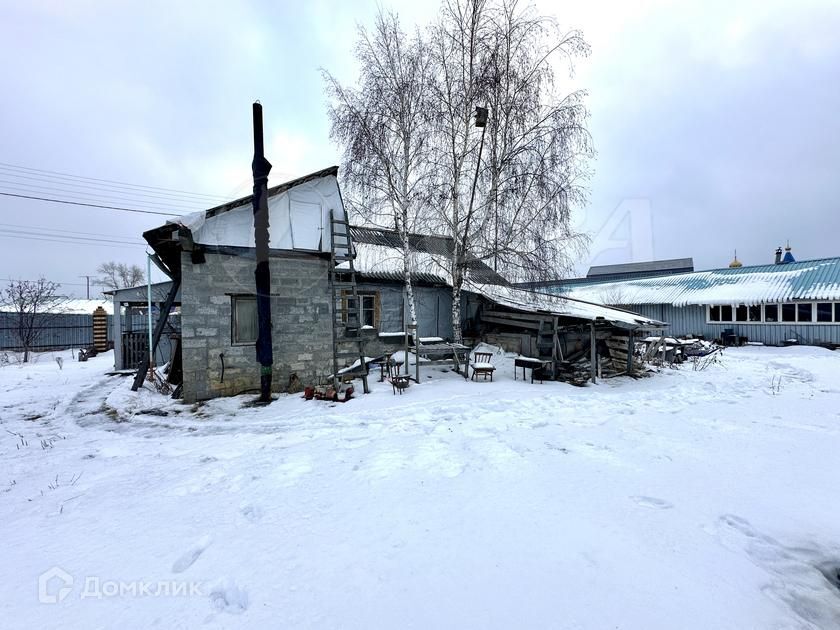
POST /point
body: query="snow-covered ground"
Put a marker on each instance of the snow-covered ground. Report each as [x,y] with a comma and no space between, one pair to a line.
[692,499]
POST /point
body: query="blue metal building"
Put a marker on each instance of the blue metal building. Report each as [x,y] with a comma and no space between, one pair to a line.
[785,302]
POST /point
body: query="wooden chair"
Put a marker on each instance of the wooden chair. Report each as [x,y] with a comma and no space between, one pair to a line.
[400,382]
[482,366]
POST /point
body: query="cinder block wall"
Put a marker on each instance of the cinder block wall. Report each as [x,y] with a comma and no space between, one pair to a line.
[301,323]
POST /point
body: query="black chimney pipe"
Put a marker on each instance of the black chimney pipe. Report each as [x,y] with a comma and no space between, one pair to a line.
[778,255]
[261,168]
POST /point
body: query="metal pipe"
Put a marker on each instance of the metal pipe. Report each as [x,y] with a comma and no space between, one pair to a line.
[149,309]
[260,168]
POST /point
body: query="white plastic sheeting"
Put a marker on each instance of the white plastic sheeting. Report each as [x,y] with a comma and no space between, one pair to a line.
[299,219]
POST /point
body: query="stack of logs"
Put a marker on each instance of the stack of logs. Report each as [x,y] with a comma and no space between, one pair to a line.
[577,368]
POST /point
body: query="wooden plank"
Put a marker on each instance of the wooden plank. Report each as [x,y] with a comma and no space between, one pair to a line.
[510,322]
[532,317]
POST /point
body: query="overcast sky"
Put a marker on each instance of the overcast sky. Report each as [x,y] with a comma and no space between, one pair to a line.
[717,124]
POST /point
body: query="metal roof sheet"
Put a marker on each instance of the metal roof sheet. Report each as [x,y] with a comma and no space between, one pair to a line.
[534,302]
[806,280]
[672,264]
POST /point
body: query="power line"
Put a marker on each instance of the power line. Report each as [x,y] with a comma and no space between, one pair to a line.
[93,197]
[89,205]
[39,179]
[75,284]
[7,232]
[110,181]
[88,244]
[60,231]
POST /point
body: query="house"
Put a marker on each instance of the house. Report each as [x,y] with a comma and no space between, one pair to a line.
[320,266]
[787,301]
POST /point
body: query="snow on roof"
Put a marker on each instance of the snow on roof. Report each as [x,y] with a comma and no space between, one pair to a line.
[532,301]
[386,263]
[807,280]
[379,254]
[71,306]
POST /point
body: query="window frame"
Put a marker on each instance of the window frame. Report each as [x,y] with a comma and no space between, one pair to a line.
[234,340]
[374,308]
[715,313]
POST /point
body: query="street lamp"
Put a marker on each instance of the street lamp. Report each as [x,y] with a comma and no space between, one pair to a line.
[481,114]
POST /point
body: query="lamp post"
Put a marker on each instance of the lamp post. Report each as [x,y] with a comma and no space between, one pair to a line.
[481,115]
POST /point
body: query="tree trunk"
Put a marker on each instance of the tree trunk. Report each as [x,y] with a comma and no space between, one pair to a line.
[409,289]
[457,333]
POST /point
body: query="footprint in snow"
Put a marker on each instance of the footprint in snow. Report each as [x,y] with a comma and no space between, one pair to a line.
[805,578]
[191,555]
[227,596]
[252,512]
[652,502]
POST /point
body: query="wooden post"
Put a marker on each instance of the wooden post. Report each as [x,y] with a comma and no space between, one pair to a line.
[664,347]
[411,330]
[118,334]
[100,329]
[164,315]
[593,352]
[630,348]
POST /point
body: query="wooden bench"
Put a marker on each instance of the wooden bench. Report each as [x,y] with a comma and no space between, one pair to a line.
[482,366]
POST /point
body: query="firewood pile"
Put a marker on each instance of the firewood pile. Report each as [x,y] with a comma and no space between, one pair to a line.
[574,372]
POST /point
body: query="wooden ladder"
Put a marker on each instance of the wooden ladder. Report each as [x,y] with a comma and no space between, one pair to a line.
[348,342]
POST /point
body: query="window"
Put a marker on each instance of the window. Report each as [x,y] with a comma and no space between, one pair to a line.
[837,312]
[741,313]
[714,313]
[726,313]
[243,329]
[804,312]
[824,312]
[755,314]
[771,312]
[788,312]
[369,312]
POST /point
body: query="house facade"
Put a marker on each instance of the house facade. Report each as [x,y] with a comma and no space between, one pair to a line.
[315,282]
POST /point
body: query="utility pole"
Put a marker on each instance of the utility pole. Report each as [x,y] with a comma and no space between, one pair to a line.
[88,285]
[262,275]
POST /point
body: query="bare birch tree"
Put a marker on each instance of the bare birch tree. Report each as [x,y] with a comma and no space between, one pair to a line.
[537,146]
[512,207]
[458,42]
[382,126]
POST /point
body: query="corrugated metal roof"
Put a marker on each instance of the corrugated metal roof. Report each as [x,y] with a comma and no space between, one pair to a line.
[534,302]
[380,252]
[806,280]
[673,265]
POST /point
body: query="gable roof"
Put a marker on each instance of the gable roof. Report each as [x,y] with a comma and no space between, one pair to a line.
[805,280]
[669,266]
[299,211]
[274,190]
